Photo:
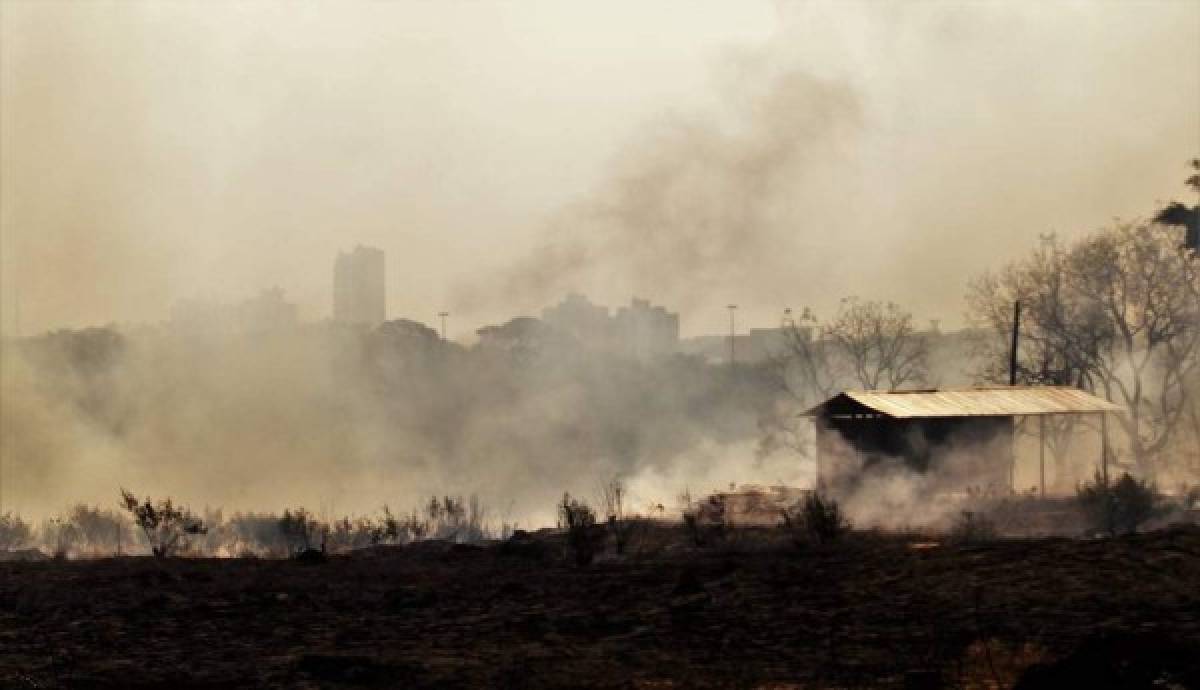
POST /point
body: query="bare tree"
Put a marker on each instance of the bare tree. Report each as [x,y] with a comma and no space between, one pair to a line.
[1142,288]
[804,371]
[867,345]
[805,367]
[1054,348]
[1115,313]
[877,342]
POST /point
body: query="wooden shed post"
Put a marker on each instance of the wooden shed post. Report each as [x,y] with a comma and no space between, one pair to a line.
[1042,452]
[1104,446]
[1012,455]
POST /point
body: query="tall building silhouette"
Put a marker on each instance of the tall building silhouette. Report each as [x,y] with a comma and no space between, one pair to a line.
[358,287]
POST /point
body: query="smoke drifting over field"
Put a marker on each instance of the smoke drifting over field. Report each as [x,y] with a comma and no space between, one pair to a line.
[153,152]
[344,420]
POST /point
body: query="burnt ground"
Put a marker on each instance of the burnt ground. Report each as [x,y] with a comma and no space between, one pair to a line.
[875,611]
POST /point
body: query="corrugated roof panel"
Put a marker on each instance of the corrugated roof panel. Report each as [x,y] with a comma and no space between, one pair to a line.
[979,402]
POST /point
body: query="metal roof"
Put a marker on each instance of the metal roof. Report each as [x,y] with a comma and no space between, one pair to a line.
[1007,401]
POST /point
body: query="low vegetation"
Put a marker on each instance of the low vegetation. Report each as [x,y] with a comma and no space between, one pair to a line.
[300,530]
[1117,507]
[972,527]
[818,519]
[164,528]
[706,521]
[579,520]
[621,525]
[15,533]
[165,525]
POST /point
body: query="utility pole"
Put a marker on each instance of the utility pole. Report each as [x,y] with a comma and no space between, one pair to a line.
[1012,355]
[788,321]
[17,309]
[443,314]
[732,309]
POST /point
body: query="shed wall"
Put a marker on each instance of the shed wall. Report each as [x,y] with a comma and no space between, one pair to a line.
[956,453]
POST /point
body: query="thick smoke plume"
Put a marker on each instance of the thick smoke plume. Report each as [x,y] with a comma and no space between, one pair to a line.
[698,202]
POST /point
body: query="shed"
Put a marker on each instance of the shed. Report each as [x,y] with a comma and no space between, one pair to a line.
[928,430]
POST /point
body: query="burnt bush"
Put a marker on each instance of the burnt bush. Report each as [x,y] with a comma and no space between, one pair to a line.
[817,519]
[454,519]
[347,534]
[167,527]
[15,533]
[1118,507]
[59,536]
[300,530]
[972,527]
[254,534]
[100,531]
[706,521]
[620,525]
[578,518]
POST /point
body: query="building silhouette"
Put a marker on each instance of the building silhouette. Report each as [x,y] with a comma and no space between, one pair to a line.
[589,323]
[268,312]
[639,331]
[644,331]
[358,287]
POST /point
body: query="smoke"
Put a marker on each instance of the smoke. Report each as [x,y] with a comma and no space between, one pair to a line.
[968,471]
[346,420]
[883,151]
[696,202]
[153,152]
[770,155]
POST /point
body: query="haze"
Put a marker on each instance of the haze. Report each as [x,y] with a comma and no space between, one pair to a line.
[160,151]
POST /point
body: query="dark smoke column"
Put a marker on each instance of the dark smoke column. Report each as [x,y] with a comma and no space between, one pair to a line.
[358,287]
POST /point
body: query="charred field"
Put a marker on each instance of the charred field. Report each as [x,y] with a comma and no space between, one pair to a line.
[754,611]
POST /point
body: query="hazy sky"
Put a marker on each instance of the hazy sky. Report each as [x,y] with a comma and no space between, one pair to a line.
[768,154]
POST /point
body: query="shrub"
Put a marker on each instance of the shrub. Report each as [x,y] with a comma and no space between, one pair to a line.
[619,524]
[255,533]
[452,519]
[347,534]
[100,531]
[1117,507]
[60,536]
[1189,498]
[579,520]
[706,521]
[15,533]
[165,525]
[299,530]
[972,528]
[818,519]
[440,522]
[445,517]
